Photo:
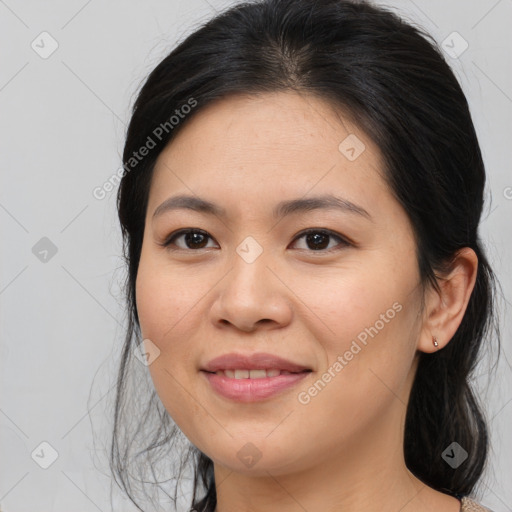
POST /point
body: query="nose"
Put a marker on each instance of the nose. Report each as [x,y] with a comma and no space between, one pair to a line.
[252,296]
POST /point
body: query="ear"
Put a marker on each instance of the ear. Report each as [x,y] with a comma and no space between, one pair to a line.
[444,311]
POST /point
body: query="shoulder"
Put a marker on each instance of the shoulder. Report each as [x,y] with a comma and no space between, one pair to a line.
[468,505]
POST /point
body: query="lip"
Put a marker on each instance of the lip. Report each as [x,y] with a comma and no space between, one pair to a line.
[257,361]
[252,390]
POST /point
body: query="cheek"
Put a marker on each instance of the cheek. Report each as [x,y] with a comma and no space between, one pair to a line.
[165,306]
[342,303]
[171,313]
[367,362]
[366,322]
[166,299]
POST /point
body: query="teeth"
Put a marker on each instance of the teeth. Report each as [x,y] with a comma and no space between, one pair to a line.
[251,374]
[257,374]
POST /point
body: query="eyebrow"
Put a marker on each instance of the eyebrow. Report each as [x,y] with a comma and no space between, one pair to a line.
[282,209]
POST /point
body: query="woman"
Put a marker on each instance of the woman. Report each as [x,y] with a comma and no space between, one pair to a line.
[300,207]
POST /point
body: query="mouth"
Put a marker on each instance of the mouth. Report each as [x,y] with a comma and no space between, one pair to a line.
[249,389]
[254,374]
[257,362]
[254,377]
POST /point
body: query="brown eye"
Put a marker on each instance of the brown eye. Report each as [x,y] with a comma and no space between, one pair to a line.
[192,239]
[319,240]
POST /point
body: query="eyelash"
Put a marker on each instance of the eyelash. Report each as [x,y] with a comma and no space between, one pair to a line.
[344,241]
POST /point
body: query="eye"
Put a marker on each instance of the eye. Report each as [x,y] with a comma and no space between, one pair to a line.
[318,240]
[192,238]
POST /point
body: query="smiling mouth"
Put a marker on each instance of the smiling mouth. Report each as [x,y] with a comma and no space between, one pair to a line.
[242,385]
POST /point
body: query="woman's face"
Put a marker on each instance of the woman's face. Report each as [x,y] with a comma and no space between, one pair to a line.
[342,302]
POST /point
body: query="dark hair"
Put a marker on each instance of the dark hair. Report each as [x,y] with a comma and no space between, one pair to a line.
[393,80]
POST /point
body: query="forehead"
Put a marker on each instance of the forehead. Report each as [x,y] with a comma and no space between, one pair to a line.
[271,145]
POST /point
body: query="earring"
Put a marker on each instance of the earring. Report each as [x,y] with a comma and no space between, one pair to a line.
[434,341]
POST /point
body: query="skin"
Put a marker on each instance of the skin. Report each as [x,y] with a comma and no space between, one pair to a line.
[344,449]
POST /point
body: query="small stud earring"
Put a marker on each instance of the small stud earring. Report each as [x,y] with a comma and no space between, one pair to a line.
[434,341]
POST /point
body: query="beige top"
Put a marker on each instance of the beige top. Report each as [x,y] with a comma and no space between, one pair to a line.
[468,505]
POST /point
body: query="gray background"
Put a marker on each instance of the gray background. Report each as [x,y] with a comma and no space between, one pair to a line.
[61,315]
